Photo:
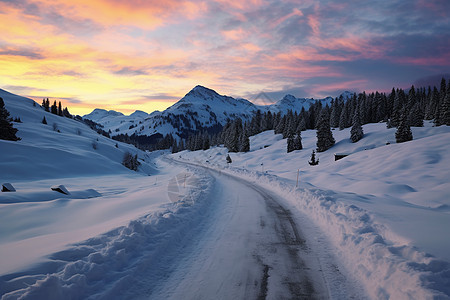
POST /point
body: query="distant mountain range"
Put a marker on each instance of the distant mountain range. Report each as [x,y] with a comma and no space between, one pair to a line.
[200,109]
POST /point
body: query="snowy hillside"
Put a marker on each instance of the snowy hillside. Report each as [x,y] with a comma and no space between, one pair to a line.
[36,221]
[385,207]
[116,121]
[199,109]
[61,148]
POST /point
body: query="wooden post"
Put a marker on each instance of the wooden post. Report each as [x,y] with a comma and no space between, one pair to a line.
[298,172]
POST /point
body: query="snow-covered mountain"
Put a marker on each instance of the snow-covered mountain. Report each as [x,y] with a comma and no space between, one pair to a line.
[290,102]
[200,109]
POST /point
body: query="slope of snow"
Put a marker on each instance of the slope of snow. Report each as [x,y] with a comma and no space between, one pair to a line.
[35,220]
[61,148]
[385,208]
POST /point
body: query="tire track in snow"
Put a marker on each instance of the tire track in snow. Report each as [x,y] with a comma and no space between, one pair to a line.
[296,274]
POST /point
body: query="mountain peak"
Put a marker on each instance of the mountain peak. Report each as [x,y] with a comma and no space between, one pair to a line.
[139,114]
[100,113]
[289,97]
[202,92]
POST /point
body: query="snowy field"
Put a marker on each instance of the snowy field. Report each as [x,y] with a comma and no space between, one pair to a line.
[375,223]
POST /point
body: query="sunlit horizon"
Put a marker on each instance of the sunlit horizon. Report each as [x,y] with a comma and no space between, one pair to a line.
[138,55]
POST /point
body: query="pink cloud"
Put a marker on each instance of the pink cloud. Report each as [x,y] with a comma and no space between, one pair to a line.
[295,12]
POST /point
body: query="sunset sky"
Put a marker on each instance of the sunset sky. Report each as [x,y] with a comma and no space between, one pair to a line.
[136,54]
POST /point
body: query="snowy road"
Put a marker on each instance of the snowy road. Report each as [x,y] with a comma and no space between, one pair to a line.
[227,238]
[251,249]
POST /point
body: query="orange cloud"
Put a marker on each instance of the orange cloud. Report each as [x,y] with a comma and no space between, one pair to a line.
[251,47]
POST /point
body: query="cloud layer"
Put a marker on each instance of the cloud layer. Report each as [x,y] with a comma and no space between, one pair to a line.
[116,53]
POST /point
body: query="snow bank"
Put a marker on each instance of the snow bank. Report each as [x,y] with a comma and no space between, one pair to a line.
[107,266]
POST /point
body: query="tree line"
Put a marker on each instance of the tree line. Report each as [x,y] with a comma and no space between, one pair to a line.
[56,109]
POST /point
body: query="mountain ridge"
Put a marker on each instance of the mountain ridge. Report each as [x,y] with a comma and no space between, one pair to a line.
[201,109]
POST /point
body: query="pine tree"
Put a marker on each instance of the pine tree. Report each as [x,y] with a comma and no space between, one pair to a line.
[175,147]
[289,129]
[298,141]
[390,103]
[255,124]
[415,117]
[361,105]
[445,109]
[290,144]
[46,104]
[281,125]
[232,132]
[343,119]
[411,97]
[7,131]
[313,161]
[206,142]
[432,104]
[44,121]
[440,104]
[399,103]
[403,133]
[380,102]
[302,124]
[356,133]
[228,158]
[244,143]
[336,108]
[54,109]
[325,139]
[60,110]
[66,113]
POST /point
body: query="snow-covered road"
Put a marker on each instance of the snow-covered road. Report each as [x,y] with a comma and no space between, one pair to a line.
[251,249]
[227,238]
